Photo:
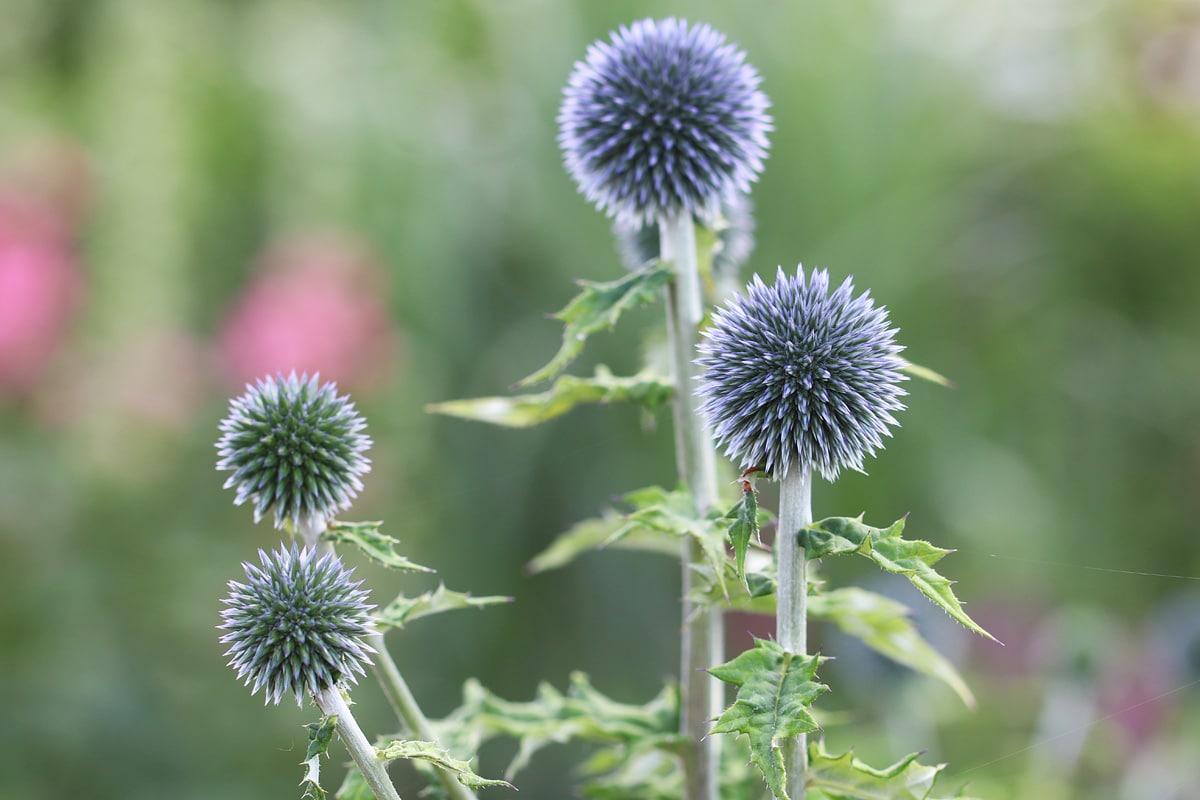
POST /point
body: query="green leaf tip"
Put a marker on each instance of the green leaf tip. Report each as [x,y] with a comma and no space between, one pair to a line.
[597,308]
[320,734]
[926,374]
[744,524]
[776,689]
[432,753]
[523,411]
[912,558]
[374,544]
[404,610]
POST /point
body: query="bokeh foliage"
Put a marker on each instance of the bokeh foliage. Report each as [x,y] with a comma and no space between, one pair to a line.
[1017,182]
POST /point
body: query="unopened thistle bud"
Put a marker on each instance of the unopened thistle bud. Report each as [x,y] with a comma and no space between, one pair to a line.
[298,624]
[662,119]
[795,376]
[295,447]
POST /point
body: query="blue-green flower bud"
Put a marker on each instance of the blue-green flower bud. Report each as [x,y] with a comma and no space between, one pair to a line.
[298,624]
[294,447]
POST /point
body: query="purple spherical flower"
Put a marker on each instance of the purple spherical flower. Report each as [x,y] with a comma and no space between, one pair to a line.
[294,446]
[298,624]
[795,376]
[663,118]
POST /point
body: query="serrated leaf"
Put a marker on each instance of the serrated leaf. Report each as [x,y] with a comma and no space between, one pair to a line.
[374,544]
[884,625]
[320,734]
[844,777]
[912,558]
[432,753]
[522,411]
[743,527]
[673,513]
[775,692]
[597,308]
[595,534]
[354,786]
[926,374]
[553,718]
[404,610]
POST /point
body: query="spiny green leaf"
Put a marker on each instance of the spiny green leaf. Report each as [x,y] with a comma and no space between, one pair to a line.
[912,558]
[320,734]
[926,374]
[775,692]
[404,610]
[522,411]
[884,625]
[755,593]
[673,513]
[844,777]
[432,753]
[354,786]
[658,520]
[553,717]
[594,534]
[744,526]
[373,543]
[597,308]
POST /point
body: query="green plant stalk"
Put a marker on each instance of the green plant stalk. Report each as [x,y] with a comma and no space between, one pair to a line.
[702,644]
[791,623]
[399,696]
[331,703]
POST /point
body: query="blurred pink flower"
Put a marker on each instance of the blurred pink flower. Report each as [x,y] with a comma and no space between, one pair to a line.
[316,304]
[40,286]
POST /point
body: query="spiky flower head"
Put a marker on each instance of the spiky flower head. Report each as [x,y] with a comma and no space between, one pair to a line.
[294,446]
[297,624]
[794,375]
[663,118]
[638,242]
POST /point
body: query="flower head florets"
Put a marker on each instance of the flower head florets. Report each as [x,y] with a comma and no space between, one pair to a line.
[293,446]
[663,118]
[795,376]
[297,624]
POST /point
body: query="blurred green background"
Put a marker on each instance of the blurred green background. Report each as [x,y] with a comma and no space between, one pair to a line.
[192,193]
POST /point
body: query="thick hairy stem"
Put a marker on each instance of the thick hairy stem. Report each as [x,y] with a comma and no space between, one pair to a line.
[331,703]
[703,640]
[791,625]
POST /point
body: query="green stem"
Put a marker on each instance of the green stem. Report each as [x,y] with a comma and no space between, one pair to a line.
[399,696]
[331,703]
[791,624]
[702,644]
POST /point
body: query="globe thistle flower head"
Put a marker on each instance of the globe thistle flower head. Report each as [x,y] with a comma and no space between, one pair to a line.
[662,119]
[794,375]
[295,447]
[297,624]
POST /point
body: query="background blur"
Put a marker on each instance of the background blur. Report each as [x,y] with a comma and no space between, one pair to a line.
[195,193]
